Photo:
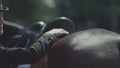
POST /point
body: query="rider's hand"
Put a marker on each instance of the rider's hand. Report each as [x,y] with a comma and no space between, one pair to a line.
[58,33]
[52,36]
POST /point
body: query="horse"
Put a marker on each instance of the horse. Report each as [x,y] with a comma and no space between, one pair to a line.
[92,48]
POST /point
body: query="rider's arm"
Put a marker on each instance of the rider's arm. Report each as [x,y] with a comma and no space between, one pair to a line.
[26,55]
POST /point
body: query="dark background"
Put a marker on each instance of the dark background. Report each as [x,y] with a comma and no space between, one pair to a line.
[85,14]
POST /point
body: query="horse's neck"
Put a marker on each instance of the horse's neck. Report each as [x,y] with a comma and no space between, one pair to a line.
[43,63]
[61,48]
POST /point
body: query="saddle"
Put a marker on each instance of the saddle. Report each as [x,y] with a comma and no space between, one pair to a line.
[61,22]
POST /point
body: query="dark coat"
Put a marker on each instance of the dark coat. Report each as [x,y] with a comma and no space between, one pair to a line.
[12,56]
[15,55]
[10,29]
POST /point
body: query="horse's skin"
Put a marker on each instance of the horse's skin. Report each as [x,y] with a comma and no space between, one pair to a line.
[93,48]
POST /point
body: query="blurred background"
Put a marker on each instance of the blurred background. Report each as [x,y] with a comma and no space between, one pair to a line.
[85,14]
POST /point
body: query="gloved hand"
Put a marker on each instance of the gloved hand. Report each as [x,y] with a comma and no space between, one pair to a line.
[58,33]
[43,43]
[48,38]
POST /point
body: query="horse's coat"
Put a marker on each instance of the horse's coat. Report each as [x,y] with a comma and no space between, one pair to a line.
[94,48]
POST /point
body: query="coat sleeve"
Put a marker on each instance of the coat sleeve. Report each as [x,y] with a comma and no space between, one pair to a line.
[29,55]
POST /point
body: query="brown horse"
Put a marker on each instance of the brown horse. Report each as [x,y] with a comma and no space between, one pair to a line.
[94,48]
